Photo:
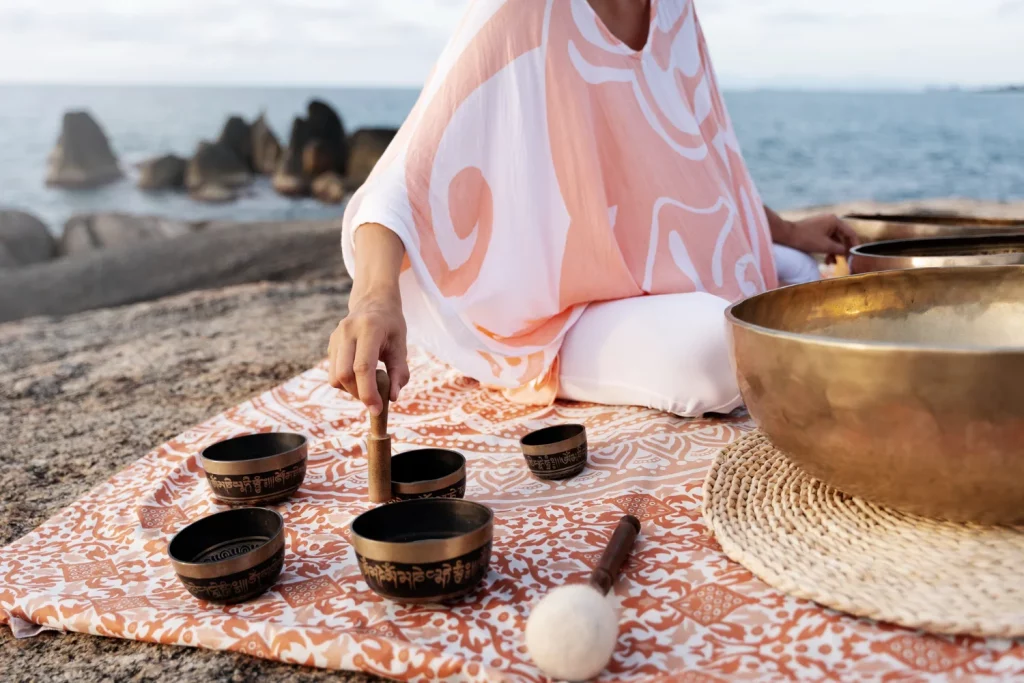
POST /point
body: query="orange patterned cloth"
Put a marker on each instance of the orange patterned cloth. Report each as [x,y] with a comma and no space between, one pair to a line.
[688,613]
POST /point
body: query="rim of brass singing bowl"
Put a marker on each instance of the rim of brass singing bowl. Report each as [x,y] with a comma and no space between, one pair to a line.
[547,447]
[937,252]
[881,227]
[734,313]
[212,570]
[427,485]
[428,550]
[267,463]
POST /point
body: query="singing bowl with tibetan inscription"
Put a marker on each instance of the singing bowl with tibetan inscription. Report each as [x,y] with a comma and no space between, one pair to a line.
[903,387]
[425,550]
[230,556]
[255,469]
[977,250]
[883,227]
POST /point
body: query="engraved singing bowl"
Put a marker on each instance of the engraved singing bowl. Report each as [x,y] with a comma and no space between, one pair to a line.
[430,550]
[255,469]
[883,227]
[428,473]
[556,452]
[229,556]
[979,250]
[903,387]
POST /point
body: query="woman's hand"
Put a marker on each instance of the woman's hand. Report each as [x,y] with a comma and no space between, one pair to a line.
[374,329]
[825,234]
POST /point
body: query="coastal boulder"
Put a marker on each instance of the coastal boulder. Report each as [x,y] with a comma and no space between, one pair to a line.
[237,136]
[91,232]
[365,147]
[214,193]
[266,150]
[318,157]
[329,188]
[215,163]
[325,126]
[166,172]
[82,157]
[289,179]
[24,240]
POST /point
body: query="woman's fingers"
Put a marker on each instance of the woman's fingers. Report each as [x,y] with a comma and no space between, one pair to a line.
[364,367]
[396,361]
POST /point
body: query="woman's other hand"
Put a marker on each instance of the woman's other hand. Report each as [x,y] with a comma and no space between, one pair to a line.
[374,329]
[825,234]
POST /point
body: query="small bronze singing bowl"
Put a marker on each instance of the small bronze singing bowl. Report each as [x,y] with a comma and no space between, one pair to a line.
[979,250]
[229,556]
[557,452]
[429,550]
[428,473]
[256,469]
[903,387]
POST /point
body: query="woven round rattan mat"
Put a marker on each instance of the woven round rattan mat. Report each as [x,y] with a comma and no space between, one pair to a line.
[811,541]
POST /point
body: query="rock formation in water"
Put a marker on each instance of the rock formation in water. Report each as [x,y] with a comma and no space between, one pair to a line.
[165,172]
[266,150]
[214,163]
[237,136]
[365,147]
[329,188]
[289,179]
[24,240]
[82,157]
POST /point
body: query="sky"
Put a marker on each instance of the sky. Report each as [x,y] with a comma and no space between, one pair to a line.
[818,44]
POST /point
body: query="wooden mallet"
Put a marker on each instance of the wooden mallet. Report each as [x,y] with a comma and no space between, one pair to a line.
[378,446]
[571,633]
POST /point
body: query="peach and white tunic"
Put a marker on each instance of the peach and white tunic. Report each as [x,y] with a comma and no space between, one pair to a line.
[547,166]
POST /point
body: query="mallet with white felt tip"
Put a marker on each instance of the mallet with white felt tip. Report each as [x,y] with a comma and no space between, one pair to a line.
[571,633]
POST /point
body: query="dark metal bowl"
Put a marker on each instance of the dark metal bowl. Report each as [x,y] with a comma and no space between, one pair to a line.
[883,227]
[977,250]
[557,452]
[428,550]
[428,473]
[904,387]
[255,469]
[229,556]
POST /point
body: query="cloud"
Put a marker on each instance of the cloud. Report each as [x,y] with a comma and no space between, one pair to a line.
[1010,7]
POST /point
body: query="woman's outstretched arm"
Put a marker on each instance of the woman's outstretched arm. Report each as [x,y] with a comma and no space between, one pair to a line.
[374,329]
[826,234]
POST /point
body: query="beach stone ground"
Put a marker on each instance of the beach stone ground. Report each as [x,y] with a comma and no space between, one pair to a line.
[84,396]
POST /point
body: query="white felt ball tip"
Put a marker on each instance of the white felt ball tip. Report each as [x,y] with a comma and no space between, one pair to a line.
[571,633]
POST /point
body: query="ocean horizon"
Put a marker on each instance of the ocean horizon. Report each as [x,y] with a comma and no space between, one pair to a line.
[803,146]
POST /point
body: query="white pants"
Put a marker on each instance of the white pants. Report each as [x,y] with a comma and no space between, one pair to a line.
[668,352]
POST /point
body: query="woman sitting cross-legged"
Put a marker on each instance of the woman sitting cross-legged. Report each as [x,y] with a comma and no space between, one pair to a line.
[566,214]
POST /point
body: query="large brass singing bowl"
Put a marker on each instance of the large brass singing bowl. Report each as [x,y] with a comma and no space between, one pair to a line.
[883,227]
[904,387]
[979,250]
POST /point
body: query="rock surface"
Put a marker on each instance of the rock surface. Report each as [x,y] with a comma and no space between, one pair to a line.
[217,256]
[329,188]
[85,396]
[325,125]
[288,177]
[237,136]
[266,150]
[83,157]
[91,232]
[24,239]
[215,163]
[365,147]
[166,172]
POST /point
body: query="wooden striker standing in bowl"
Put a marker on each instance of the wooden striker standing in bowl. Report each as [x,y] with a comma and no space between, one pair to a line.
[378,446]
